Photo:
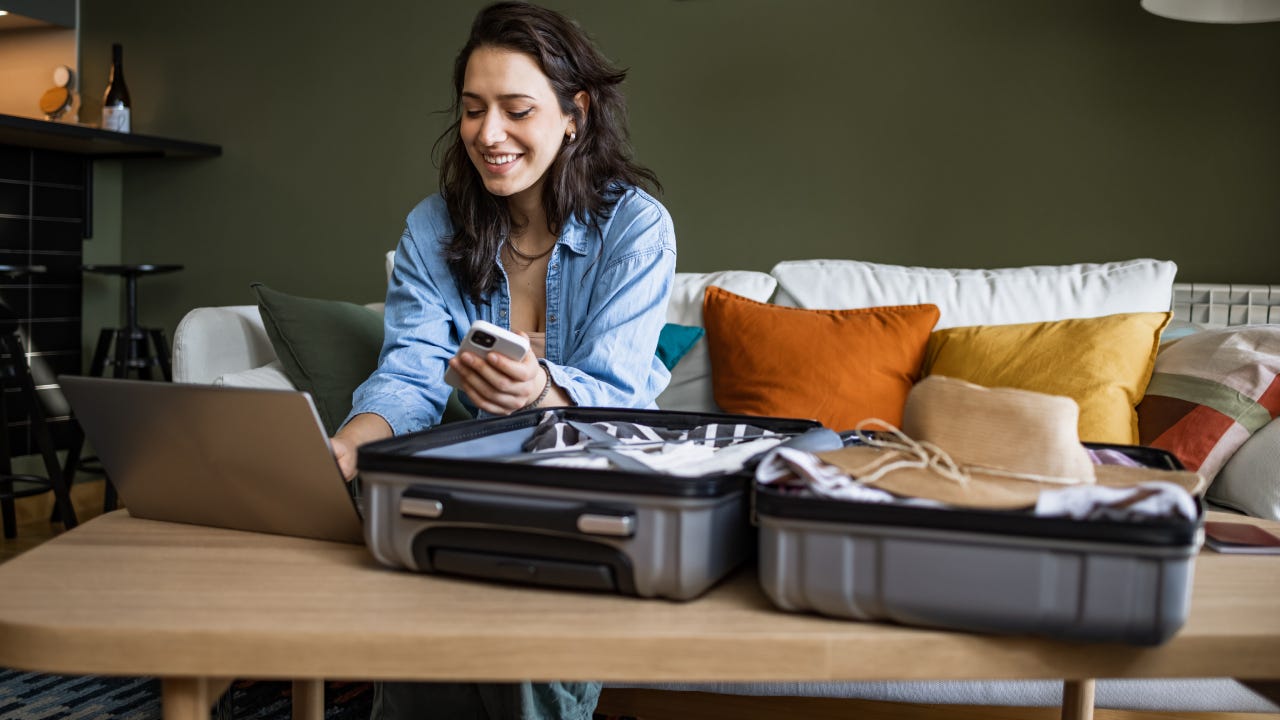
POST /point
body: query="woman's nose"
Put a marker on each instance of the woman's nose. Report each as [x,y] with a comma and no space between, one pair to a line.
[493,130]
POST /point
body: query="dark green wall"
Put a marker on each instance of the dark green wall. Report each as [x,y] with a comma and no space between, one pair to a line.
[931,132]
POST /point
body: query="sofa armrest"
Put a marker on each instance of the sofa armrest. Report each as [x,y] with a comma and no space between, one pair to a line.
[213,341]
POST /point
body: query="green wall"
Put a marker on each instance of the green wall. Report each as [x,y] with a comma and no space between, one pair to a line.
[931,132]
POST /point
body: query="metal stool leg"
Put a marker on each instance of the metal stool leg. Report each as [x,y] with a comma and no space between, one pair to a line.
[139,359]
[162,352]
[99,365]
[8,510]
[44,441]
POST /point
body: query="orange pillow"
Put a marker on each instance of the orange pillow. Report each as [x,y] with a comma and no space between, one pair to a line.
[837,366]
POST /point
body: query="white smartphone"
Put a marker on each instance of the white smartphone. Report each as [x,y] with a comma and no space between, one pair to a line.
[485,337]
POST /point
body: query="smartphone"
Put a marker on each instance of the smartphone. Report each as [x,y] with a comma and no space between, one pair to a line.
[485,337]
[1234,537]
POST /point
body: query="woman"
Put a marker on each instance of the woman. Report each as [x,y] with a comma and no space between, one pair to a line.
[541,226]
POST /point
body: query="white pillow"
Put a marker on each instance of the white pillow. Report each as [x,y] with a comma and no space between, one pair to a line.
[391,263]
[981,297]
[1250,481]
[690,387]
[270,376]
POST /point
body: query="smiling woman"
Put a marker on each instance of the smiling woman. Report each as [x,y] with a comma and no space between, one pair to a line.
[542,226]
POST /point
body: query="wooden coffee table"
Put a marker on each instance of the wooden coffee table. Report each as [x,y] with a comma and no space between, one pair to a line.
[199,606]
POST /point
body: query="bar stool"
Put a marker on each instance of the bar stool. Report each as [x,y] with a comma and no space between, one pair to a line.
[16,373]
[133,343]
[129,349]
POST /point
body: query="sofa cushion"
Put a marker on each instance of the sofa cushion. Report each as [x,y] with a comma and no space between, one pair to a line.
[1102,363]
[690,387]
[1210,392]
[836,366]
[326,347]
[268,377]
[981,297]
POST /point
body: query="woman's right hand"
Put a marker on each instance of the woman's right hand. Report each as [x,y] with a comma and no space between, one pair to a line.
[363,428]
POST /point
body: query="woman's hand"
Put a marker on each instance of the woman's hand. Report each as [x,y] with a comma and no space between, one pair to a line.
[363,428]
[496,383]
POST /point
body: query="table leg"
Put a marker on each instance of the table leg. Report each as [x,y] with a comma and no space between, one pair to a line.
[190,698]
[308,700]
[1077,699]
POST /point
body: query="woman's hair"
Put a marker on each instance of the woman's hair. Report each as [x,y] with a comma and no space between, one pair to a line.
[588,176]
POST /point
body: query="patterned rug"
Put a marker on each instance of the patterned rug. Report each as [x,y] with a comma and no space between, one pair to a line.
[35,696]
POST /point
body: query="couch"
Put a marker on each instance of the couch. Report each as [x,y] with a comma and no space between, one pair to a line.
[229,345]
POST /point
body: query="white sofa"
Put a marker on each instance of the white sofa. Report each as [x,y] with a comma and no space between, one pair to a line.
[229,345]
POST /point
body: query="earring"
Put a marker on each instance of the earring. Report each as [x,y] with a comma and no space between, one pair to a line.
[573,135]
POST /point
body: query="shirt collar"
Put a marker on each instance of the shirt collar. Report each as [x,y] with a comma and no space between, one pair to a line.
[574,236]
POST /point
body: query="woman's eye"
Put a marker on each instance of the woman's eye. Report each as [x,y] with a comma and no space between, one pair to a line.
[521,114]
[474,113]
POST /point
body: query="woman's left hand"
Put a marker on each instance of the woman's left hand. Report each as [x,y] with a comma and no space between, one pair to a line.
[496,383]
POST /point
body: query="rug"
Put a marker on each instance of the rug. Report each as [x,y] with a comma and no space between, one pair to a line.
[36,696]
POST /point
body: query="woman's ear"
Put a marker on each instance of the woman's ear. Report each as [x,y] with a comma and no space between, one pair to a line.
[583,101]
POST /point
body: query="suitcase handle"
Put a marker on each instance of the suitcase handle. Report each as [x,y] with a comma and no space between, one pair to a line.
[519,511]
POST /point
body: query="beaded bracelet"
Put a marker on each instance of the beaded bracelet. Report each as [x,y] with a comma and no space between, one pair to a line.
[546,388]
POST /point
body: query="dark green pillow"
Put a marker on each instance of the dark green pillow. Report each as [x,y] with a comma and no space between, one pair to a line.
[327,347]
[675,341]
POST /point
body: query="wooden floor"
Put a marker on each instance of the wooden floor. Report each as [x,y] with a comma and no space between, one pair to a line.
[33,513]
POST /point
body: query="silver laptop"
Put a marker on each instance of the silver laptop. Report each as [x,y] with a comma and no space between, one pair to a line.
[240,458]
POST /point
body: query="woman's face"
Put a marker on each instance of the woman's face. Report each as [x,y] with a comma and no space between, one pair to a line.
[511,122]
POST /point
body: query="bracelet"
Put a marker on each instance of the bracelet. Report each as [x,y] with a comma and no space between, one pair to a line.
[546,388]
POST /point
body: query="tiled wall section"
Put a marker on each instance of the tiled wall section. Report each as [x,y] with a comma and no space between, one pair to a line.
[43,216]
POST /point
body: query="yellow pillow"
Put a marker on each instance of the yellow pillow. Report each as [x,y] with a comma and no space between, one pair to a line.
[1103,363]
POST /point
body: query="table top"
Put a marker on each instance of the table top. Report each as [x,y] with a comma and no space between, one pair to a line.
[138,597]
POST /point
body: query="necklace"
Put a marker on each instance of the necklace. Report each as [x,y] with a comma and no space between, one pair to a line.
[511,245]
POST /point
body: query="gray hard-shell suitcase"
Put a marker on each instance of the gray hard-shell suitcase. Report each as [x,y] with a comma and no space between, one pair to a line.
[989,571]
[449,500]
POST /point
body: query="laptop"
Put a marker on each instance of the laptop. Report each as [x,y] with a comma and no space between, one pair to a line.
[239,458]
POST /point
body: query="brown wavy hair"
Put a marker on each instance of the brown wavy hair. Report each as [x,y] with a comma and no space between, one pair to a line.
[590,174]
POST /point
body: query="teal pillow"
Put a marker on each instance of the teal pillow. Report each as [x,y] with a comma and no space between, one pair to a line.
[327,347]
[675,341]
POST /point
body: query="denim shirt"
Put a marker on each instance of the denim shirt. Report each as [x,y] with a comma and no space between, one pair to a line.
[607,295]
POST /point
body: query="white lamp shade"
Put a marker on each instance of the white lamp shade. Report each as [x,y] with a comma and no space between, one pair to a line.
[1216,11]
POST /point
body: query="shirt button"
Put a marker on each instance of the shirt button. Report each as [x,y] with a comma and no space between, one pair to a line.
[502,313]
[555,265]
[551,318]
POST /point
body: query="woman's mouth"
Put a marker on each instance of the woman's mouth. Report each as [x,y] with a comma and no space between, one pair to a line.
[500,164]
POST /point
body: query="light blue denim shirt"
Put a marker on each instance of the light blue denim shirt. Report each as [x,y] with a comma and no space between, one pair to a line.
[607,295]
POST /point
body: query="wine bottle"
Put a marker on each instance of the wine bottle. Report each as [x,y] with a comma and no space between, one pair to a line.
[115,102]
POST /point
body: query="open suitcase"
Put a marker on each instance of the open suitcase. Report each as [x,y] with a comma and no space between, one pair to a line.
[454,499]
[990,571]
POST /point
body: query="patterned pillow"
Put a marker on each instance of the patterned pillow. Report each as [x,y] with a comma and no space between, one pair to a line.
[1210,391]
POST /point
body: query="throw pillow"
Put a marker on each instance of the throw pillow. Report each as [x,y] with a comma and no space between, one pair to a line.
[326,347]
[675,341]
[1102,363]
[1210,391]
[837,366]
[981,297]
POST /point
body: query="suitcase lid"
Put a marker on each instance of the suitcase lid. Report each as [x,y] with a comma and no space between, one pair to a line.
[1165,532]
[411,454]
